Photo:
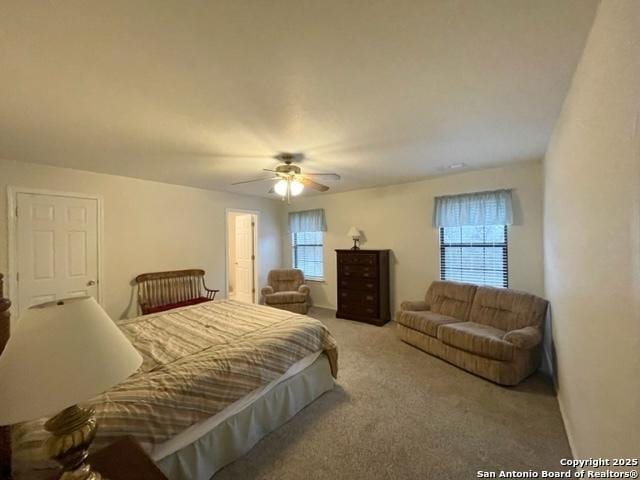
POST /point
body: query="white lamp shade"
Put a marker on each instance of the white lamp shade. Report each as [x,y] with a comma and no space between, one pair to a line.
[296,187]
[353,233]
[62,353]
[281,187]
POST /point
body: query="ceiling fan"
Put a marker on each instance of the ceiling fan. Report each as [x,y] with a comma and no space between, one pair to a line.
[290,179]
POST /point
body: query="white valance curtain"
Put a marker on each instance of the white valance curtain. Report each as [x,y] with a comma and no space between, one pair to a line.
[480,208]
[307,221]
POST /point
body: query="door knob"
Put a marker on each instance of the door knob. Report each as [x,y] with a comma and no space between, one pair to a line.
[91,283]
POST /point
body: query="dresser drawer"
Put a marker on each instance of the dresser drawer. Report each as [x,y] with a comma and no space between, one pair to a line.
[357,297]
[363,284]
[360,311]
[357,259]
[356,271]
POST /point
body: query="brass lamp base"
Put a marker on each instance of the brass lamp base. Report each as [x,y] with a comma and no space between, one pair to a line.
[72,432]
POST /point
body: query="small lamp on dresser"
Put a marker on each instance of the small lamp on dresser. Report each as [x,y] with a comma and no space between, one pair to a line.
[355,235]
[63,353]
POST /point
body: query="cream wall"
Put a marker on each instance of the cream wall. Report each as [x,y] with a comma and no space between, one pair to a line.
[150,226]
[592,240]
[399,218]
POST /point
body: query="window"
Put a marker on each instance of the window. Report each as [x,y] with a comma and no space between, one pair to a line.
[475,254]
[306,229]
[307,253]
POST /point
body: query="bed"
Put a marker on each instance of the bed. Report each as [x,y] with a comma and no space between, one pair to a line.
[215,379]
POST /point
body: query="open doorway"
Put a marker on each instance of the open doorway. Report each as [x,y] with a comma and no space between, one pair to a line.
[242,255]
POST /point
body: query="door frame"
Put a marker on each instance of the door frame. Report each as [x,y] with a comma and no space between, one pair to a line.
[256,250]
[12,226]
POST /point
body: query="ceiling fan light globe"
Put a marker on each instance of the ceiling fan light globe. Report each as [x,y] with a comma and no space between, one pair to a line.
[281,187]
[296,187]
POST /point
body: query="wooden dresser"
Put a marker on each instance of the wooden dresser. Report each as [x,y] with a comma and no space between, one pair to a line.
[363,285]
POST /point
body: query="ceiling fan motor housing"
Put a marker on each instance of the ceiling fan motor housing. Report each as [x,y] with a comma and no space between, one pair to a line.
[288,169]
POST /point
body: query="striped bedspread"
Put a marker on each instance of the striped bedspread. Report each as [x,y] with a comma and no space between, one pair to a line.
[197,361]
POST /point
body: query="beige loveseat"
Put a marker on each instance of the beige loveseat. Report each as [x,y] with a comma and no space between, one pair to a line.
[495,333]
[286,290]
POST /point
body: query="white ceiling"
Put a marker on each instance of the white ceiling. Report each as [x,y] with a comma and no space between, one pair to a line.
[202,93]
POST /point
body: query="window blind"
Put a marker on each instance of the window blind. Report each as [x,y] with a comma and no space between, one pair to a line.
[475,254]
[307,253]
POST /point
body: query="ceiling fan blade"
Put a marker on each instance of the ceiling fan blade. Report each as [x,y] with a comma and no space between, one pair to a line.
[333,176]
[256,180]
[268,170]
[307,182]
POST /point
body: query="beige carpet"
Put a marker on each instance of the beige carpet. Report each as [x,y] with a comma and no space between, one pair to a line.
[398,413]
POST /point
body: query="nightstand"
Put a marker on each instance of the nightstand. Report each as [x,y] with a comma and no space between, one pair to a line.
[124,460]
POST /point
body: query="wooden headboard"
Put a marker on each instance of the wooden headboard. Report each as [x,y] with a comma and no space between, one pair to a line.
[5,438]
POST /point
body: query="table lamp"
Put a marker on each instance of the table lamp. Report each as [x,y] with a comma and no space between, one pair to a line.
[355,234]
[60,354]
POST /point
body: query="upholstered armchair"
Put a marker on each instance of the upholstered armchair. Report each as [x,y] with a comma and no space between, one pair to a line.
[286,290]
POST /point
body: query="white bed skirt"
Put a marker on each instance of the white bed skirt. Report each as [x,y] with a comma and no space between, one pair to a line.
[234,436]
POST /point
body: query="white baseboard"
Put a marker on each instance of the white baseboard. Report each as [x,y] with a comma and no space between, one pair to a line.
[567,430]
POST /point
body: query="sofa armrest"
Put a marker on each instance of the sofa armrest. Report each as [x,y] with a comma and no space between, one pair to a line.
[414,306]
[268,290]
[527,337]
[304,289]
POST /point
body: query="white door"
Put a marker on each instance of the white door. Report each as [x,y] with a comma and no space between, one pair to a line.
[244,287]
[57,248]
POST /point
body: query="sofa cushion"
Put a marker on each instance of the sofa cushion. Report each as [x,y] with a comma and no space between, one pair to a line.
[424,321]
[451,298]
[285,297]
[507,309]
[476,338]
